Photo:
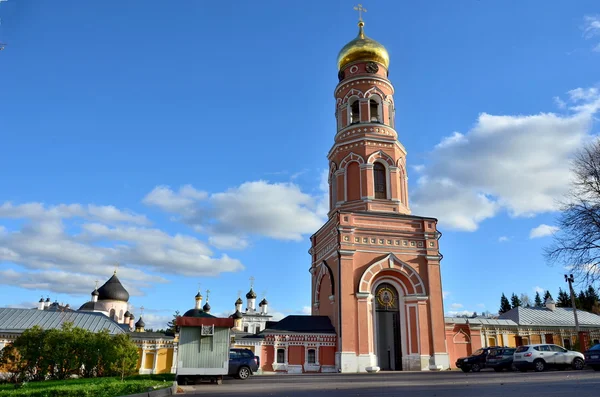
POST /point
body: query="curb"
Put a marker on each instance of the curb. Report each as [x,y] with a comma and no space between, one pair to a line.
[167,391]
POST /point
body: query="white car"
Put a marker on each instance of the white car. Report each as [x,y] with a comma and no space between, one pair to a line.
[542,356]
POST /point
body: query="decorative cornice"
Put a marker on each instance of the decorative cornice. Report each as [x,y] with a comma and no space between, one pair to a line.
[434,257]
[366,166]
[347,252]
[362,295]
[415,298]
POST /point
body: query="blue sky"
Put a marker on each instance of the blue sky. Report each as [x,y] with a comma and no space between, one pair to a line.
[187,140]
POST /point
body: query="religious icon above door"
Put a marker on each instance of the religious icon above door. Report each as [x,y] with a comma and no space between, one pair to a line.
[386,297]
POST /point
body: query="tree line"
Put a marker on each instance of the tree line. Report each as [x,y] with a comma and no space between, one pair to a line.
[587,300]
[39,354]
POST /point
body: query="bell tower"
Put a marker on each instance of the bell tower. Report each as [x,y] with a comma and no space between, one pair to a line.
[367,163]
[375,267]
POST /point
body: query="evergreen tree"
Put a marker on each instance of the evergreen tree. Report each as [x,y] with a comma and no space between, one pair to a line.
[172,326]
[591,298]
[547,295]
[504,304]
[580,301]
[538,300]
[515,301]
[563,299]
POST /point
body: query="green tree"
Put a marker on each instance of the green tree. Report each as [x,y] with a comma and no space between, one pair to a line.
[31,346]
[538,300]
[504,304]
[563,299]
[591,298]
[515,301]
[547,295]
[123,355]
[172,330]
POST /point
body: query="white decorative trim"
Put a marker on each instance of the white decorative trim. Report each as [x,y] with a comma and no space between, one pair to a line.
[395,264]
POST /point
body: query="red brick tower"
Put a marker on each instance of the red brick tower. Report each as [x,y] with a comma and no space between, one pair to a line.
[375,268]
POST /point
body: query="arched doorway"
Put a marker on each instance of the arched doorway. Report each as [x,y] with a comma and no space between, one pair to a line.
[387,324]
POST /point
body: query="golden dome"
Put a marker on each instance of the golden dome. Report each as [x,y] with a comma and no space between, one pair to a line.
[363,48]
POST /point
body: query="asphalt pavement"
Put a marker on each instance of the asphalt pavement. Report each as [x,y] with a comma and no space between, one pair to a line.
[414,384]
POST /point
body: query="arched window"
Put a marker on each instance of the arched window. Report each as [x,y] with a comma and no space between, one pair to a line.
[375,113]
[333,190]
[121,315]
[380,181]
[112,314]
[354,111]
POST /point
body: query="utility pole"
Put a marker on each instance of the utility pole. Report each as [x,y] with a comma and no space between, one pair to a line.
[569,279]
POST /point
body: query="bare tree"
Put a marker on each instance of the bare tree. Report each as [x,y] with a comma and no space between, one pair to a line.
[577,242]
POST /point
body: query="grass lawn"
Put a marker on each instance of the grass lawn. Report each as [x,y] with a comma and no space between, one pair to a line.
[93,387]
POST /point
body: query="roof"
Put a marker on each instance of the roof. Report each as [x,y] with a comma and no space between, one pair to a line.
[479,321]
[251,294]
[113,290]
[246,335]
[19,320]
[303,324]
[197,313]
[92,306]
[542,316]
[147,335]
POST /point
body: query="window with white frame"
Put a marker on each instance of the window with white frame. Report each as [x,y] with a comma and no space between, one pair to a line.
[311,356]
[280,356]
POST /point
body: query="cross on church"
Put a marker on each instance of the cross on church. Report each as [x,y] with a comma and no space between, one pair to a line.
[141,310]
[239,293]
[360,10]
[207,292]
[116,267]
[251,281]
[96,284]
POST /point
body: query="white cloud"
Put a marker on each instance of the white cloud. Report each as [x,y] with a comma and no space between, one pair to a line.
[38,211]
[445,294]
[503,239]
[502,163]
[60,253]
[454,313]
[481,305]
[276,210]
[539,289]
[560,103]
[306,310]
[591,27]
[456,306]
[542,231]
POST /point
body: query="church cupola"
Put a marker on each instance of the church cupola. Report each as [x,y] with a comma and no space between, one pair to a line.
[95,294]
[263,306]
[139,326]
[41,304]
[238,304]
[206,306]
[198,298]
[47,303]
[251,297]
[363,48]
[126,317]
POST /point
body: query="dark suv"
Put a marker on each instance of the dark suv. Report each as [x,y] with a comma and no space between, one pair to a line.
[242,363]
[501,358]
[475,362]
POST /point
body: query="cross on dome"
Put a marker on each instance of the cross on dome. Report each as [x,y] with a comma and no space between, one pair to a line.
[360,10]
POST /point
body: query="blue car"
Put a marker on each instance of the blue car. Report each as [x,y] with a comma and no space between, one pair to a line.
[242,363]
[592,357]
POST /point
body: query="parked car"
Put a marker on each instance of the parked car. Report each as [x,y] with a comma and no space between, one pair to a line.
[542,356]
[475,362]
[501,358]
[592,357]
[242,363]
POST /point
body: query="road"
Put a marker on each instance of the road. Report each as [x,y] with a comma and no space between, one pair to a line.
[414,384]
